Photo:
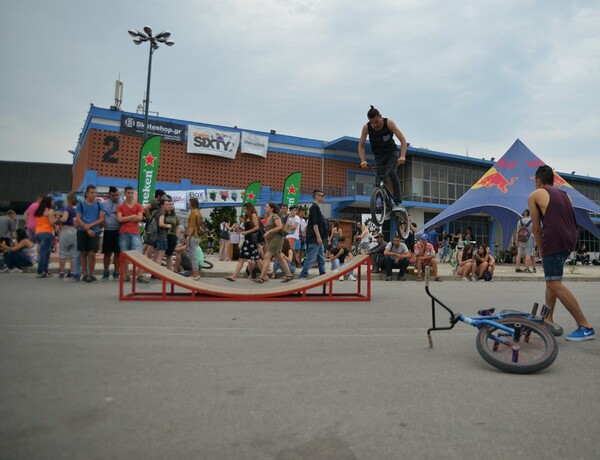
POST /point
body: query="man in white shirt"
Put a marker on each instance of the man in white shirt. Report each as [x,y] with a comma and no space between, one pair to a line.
[396,255]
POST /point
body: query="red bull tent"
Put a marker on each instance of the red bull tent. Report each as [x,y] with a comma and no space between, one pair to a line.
[503,190]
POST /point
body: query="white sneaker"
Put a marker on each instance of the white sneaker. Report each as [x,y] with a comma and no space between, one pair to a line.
[397,207]
[15,270]
[341,278]
[351,277]
[3,270]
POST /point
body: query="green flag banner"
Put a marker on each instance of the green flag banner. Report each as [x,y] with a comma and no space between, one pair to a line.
[149,159]
[291,189]
[251,193]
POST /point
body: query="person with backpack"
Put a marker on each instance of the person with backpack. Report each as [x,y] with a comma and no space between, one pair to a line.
[525,243]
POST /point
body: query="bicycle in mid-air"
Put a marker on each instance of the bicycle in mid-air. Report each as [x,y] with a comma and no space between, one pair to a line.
[512,341]
[382,203]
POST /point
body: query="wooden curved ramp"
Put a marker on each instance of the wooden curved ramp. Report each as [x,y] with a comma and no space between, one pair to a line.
[172,286]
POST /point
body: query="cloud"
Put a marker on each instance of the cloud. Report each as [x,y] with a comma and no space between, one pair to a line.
[451,74]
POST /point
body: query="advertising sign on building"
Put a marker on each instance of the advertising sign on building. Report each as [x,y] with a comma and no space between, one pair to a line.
[209,141]
[254,144]
[220,196]
[180,198]
[134,126]
[206,196]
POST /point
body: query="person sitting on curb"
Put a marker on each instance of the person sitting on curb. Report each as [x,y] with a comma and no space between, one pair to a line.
[20,255]
[339,255]
[425,256]
[484,263]
[396,255]
[466,264]
[377,255]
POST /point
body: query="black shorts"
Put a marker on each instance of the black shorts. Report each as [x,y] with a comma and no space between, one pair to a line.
[171,243]
[110,243]
[87,243]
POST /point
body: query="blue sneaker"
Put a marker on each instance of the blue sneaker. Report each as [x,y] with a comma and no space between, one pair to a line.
[581,333]
[105,276]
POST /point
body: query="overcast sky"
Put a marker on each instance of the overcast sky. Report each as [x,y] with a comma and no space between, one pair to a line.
[455,76]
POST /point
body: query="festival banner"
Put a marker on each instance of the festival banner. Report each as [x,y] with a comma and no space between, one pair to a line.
[291,189]
[179,197]
[149,160]
[134,126]
[251,193]
[254,144]
[221,196]
[209,141]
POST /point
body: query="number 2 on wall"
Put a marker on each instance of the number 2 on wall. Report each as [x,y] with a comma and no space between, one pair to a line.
[108,155]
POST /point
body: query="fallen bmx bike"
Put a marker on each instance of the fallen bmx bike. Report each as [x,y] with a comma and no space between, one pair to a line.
[512,341]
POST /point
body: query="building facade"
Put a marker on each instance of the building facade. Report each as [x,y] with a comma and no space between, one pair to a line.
[108,153]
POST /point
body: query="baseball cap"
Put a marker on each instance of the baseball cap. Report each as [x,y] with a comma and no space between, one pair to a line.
[379,235]
[424,237]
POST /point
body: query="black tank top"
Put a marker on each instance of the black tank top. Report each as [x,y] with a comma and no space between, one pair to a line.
[382,141]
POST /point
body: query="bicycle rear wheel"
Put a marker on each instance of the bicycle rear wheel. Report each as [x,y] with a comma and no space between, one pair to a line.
[380,210]
[536,350]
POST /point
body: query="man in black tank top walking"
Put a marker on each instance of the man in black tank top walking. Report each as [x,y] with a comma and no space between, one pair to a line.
[555,232]
[381,133]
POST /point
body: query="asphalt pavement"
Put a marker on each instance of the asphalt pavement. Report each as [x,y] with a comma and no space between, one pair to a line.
[87,376]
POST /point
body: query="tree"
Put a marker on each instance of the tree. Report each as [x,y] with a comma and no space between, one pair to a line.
[220,214]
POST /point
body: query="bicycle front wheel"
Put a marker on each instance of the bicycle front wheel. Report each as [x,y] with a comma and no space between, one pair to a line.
[536,350]
[379,206]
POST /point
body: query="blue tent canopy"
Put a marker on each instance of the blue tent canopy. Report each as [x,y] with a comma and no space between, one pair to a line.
[503,190]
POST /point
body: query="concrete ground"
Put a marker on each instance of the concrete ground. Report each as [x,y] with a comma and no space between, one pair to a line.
[86,376]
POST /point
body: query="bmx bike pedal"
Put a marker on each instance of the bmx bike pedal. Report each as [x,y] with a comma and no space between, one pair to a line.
[488,312]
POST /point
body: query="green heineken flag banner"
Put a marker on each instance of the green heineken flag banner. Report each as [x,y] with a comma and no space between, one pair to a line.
[149,159]
[291,189]
[251,193]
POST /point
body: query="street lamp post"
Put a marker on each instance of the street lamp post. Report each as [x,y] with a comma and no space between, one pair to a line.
[138,39]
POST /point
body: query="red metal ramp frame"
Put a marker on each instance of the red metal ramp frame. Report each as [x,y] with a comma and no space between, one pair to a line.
[296,290]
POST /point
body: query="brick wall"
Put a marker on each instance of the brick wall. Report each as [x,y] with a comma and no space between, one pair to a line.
[116,155]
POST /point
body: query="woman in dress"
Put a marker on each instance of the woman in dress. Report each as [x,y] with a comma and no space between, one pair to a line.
[274,237]
[45,219]
[249,251]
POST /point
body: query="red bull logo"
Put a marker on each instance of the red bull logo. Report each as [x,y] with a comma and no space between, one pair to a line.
[560,182]
[493,178]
